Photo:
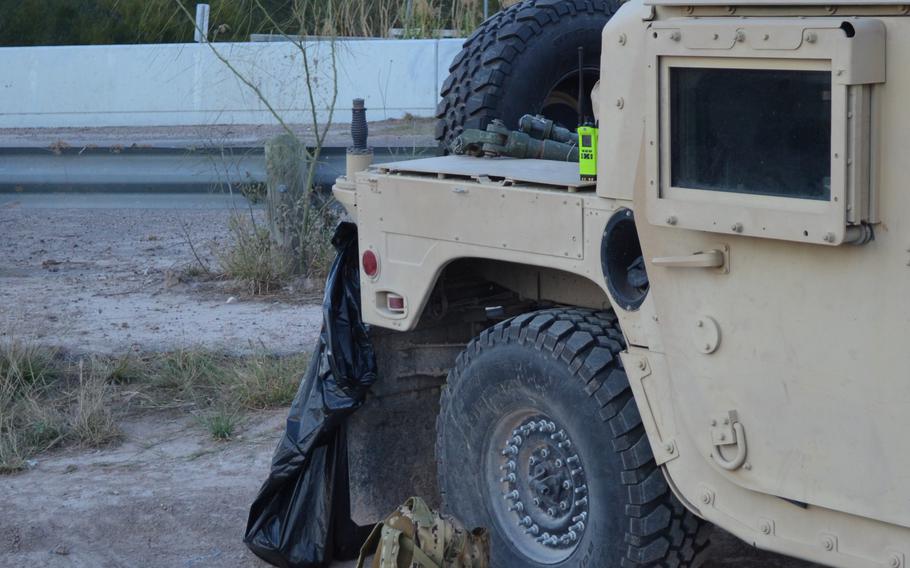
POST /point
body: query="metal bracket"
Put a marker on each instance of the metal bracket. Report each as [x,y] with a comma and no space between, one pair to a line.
[727,431]
[664,446]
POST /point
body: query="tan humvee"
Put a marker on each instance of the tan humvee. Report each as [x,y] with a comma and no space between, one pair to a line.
[757,154]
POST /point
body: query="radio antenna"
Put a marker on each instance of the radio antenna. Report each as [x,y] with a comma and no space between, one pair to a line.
[581,83]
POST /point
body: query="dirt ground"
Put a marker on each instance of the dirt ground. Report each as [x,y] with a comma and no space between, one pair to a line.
[105,273]
[169,497]
[98,273]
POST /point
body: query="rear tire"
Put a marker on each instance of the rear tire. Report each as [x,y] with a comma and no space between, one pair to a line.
[544,397]
[523,60]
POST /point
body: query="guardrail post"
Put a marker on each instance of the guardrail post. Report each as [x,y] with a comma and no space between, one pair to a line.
[285,165]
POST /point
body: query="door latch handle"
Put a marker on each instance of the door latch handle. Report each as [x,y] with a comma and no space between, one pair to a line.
[704,259]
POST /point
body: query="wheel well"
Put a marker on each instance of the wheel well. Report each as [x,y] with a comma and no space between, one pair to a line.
[507,288]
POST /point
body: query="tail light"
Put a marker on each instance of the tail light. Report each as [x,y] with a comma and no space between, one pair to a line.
[395,303]
[370,263]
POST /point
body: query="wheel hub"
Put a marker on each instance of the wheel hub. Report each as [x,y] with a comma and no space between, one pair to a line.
[544,485]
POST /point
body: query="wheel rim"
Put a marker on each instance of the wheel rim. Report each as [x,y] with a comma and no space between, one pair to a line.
[537,486]
[561,103]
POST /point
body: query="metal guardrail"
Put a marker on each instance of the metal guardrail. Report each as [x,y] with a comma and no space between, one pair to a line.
[159,169]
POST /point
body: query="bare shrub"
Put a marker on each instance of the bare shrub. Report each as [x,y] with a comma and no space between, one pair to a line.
[253,258]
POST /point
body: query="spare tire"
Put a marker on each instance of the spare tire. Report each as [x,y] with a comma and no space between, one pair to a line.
[523,60]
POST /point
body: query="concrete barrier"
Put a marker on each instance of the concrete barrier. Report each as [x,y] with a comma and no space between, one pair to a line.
[187,84]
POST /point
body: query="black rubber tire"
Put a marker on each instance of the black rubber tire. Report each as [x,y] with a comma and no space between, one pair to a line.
[564,362]
[513,60]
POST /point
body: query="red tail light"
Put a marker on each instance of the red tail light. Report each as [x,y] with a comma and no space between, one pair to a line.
[370,263]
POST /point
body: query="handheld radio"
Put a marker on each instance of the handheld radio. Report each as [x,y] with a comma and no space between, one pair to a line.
[587,132]
[587,152]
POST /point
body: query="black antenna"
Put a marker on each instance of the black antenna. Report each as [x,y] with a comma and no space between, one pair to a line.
[581,83]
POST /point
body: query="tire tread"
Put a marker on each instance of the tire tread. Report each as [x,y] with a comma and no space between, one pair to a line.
[470,95]
[660,531]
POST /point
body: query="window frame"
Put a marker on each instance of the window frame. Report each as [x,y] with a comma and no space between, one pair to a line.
[668,188]
[740,44]
[691,194]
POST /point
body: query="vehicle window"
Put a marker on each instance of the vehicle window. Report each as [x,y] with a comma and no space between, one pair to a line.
[756,131]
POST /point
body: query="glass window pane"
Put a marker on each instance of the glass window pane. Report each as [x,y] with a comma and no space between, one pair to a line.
[765,132]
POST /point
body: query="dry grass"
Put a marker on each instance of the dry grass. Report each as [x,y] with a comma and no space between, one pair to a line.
[375,18]
[221,422]
[91,422]
[218,388]
[268,382]
[47,400]
[253,258]
[25,371]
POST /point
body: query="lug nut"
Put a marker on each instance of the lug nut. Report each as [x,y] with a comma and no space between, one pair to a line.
[558,463]
[512,495]
[581,489]
[518,506]
[563,506]
[510,466]
[544,453]
[564,444]
[517,440]
[508,479]
[578,471]
[526,521]
[580,518]
[536,502]
[581,502]
[510,451]
[534,530]
[572,460]
[551,511]
[567,484]
[561,435]
[579,526]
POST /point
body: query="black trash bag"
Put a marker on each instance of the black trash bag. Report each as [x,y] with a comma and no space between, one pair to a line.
[301,517]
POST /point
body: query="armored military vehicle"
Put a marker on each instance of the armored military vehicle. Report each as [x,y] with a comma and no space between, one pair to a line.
[712,332]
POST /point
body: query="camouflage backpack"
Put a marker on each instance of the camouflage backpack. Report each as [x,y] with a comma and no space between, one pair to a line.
[416,537]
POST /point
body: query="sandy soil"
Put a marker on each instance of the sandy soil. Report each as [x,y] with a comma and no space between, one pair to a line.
[106,275]
[170,497]
[167,497]
[98,273]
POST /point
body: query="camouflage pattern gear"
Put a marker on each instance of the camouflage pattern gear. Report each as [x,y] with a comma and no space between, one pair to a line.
[416,537]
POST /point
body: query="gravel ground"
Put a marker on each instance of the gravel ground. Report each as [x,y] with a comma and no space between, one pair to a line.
[168,497]
[105,273]
[101,273]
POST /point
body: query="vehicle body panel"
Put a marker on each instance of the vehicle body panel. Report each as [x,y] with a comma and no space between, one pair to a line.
[795,339]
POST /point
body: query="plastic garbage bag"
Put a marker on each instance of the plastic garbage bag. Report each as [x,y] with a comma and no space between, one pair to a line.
[301,516]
